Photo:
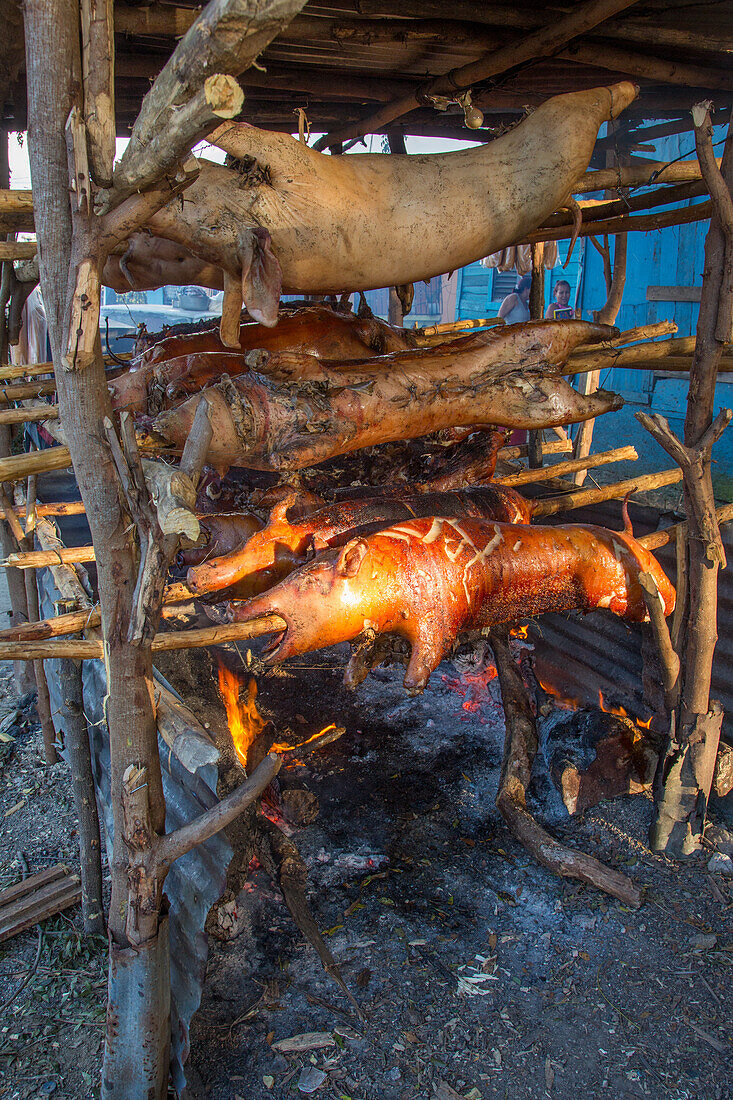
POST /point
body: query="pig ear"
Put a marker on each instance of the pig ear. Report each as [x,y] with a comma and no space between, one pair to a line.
[279,512]
[351,557]
[261,276]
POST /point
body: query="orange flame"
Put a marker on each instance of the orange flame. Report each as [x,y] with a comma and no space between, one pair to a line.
[621,713]
[282,747]
[245,721]
[519,632]
[561,700]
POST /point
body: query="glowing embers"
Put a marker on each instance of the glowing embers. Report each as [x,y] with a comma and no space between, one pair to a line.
[244,720]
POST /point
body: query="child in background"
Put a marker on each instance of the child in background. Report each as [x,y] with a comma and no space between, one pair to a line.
[560,309]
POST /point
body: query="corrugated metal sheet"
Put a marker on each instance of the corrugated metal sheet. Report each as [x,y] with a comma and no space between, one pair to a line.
[582,654]
[194,882]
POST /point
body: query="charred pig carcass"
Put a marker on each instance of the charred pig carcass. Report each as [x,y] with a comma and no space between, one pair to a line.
[292,411]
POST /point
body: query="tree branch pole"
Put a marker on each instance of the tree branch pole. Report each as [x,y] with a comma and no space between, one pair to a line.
[520,749]
[607,315]
[22,676]
[536,313]
[194,91]
[685,771]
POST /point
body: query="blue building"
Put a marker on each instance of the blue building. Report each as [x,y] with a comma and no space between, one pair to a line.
[663,277]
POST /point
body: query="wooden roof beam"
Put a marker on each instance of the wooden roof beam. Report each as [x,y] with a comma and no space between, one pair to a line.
[542,43]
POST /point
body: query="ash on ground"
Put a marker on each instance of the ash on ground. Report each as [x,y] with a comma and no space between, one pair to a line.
[479,973]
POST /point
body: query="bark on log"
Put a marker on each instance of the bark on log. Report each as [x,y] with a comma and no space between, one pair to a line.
[225,39]
[72,724]
[98,61]
[88,649]
[520,749]
[645,65]
[582,498]
[656,539]
[639,223]
[591,462]
[639,175]
[686,767]
[607,315]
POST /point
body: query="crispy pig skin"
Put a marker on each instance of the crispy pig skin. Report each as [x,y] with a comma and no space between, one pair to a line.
[221,533]
[286,541]
[184,364]
[293,410]
[427,580]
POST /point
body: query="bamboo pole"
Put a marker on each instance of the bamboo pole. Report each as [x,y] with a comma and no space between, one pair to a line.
[88,648]
[521,450]
[17,250]
[590,462]
[24,370]
[581,498]
[33,415]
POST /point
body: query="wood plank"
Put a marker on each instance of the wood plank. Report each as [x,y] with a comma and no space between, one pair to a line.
[673,293]
[33,882]
[40,905]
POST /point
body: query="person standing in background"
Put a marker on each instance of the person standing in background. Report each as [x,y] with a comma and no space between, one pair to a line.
[515,307]
[559,308]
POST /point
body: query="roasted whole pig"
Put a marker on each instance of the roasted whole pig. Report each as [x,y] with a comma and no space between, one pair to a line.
[292,411]
[290,536]
[180,365]
[221,533]
[427,580]
[288,216]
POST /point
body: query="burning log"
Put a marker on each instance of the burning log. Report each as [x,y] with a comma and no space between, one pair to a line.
[243,221]
[274,418]
[287,539]
[429,579]
[520,750]
[592,756]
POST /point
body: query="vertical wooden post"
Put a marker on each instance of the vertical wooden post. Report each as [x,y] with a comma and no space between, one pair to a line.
[395,315]
[615,283]
[68,253]
[536,312]
[23,673]
[685,773]
[76,740]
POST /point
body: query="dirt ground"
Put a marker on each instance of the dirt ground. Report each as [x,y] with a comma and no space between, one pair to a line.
[479,974]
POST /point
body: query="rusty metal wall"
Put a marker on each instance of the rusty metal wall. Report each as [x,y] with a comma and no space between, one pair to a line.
[197,880]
